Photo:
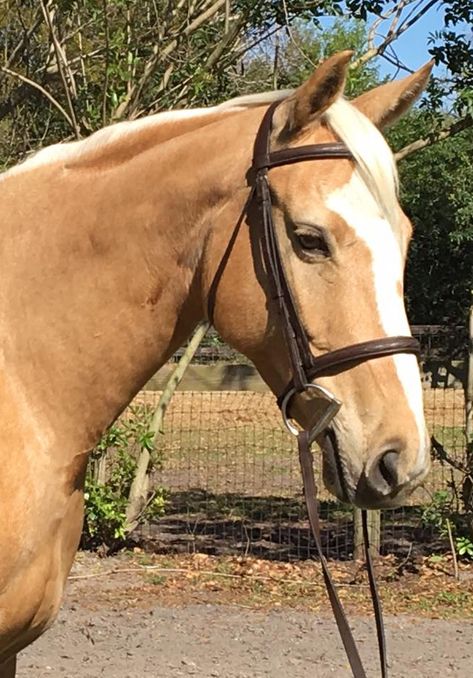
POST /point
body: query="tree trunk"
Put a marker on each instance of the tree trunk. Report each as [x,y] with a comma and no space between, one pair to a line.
[139,488]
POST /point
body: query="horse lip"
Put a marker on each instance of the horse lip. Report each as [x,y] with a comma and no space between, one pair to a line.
[331,458]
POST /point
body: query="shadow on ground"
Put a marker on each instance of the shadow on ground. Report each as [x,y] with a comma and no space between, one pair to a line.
[197,521]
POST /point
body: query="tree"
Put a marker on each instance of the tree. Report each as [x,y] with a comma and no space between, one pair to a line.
[291,58]
[437,194]
[69,67]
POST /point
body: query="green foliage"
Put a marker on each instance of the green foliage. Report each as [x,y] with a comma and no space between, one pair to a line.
[437,512]
[464,547]
[105,517]
[437,195]
[110,475]
[452,47]
[441,514]
[306,47]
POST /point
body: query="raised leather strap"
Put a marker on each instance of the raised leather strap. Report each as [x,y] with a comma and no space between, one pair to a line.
[288,156]
[263,135]
[311,502]
[264,159]
[310,496]
[340,358]
[298,348]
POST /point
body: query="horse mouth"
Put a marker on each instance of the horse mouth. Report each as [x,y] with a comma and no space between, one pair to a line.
[337,479]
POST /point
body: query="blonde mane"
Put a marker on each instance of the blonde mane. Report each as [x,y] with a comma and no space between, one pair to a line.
[125,139]
[130,132]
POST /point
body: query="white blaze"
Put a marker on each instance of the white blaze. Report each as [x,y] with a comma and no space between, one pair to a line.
[356,205]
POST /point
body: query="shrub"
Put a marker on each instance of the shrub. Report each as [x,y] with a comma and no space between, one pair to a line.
[440,513]
[109,477]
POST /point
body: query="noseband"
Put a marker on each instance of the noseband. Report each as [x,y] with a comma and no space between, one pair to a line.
[306,367]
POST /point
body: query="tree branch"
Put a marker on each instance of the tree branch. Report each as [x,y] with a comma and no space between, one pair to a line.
[61,63]
[419,144]
[139,488]
[292,38]
[227,39]
[19,46]
[130,103]
[442,455]
[397,10]
[43,91]
[107,59]
[52,69]
[395,30]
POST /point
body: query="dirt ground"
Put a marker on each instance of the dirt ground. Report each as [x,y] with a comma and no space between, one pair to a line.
[148,616]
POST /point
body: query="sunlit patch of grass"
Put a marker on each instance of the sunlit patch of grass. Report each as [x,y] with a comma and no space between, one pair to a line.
[452,437]
[156,579]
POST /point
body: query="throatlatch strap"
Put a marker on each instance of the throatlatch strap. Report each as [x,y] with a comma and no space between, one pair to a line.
[310,496]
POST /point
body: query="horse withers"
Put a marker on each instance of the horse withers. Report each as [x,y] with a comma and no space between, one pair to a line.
[111,249]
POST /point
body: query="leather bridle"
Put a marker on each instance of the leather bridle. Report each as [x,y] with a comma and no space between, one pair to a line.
[306,367]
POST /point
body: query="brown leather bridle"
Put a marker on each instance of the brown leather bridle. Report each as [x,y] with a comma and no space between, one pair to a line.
[306,367]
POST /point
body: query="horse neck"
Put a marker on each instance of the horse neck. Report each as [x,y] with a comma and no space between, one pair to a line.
[107,283]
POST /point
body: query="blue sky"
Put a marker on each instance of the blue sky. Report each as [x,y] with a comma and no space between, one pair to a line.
[412,47]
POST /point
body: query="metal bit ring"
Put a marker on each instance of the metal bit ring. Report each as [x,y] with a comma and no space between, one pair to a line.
[333,407]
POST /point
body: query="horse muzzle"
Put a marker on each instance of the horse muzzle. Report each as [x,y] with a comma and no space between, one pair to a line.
[382,481]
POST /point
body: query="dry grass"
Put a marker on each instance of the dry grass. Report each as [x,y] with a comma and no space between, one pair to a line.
[424,587]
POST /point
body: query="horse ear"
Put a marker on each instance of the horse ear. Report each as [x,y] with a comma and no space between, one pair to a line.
[312,98]
[383,105]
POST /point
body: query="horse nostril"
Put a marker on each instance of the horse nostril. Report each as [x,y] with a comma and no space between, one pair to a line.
[388,467]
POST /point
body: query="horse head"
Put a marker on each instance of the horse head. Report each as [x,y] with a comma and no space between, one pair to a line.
[342,239]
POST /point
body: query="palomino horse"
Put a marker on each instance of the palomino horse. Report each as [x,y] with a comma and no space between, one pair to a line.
[110,249]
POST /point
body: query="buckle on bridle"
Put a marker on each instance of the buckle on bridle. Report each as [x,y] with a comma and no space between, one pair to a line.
[333,406]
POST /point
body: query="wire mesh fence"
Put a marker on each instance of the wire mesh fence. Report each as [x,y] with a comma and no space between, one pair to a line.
[231,473]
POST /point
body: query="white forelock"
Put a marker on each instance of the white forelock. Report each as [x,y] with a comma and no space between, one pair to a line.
[372,154]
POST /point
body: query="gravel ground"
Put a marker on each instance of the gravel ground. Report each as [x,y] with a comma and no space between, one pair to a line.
[231,642]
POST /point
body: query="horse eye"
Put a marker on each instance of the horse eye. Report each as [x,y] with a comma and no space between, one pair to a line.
[315,243]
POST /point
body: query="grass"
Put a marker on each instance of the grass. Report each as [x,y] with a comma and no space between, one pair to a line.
[452,437]
[156,579]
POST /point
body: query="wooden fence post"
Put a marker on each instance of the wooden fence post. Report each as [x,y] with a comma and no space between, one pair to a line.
[469,382]
[374,534]
[358,551]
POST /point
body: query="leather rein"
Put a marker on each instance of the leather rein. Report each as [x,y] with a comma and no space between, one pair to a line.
[306,367]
